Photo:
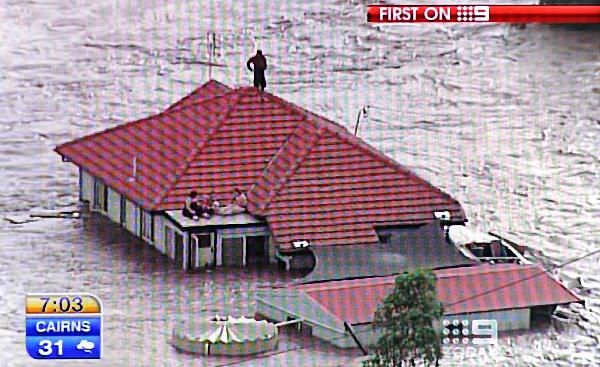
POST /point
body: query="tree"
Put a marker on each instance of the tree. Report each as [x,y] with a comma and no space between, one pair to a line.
[406,318]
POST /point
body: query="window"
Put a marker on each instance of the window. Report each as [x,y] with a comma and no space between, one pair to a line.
[100,196]
[255,247]
[147,223]
[80,184]
[203,240]
[233,251]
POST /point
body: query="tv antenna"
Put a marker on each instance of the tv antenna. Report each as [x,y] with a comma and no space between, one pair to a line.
[211,48]
[363,112]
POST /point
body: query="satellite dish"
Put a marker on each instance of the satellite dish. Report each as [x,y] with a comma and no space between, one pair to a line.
[300,244]
[444,216]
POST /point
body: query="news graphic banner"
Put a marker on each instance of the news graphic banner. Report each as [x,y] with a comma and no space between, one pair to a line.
[570,14]
[63,326]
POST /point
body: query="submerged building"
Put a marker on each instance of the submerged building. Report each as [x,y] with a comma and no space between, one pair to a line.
[309,182]
[339,311]
[478,277]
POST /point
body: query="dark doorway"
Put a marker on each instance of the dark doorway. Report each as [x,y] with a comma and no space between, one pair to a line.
[192,254]
[233,251]
[256,250]
[179,260]
[100,196]
[123,207]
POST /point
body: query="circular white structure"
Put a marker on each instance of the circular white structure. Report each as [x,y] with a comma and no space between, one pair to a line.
[226,336]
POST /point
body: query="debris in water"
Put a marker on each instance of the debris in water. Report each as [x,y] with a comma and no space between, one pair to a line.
[19,219]
[46,213]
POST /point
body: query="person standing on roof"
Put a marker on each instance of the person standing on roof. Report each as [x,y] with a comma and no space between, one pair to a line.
[260,65]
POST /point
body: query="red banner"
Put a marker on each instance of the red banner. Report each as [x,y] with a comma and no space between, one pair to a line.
[484,13]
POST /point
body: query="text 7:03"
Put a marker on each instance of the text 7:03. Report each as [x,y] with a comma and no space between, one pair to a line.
[64,304]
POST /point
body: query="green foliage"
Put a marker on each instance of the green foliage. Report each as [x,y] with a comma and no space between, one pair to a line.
[406,319]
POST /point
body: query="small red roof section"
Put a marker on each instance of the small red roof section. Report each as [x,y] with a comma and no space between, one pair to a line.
[308,176]
[461,290]
[209,90]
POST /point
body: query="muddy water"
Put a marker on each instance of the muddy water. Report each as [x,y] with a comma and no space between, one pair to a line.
[505,119]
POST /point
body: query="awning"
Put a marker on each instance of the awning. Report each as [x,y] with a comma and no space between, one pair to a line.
[407,249]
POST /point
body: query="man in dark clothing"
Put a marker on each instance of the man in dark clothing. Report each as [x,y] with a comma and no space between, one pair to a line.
[260,65]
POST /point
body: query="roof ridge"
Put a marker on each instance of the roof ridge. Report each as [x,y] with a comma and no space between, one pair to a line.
[218,124]
[288,172]
[283,179]
[197,147]
[322,306]
[163,113]
[306,116]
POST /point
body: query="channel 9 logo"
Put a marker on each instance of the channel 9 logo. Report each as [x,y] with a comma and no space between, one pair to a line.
[478,13]
[479,332]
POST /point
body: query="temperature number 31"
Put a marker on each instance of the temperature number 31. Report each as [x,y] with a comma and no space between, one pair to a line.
[46,349]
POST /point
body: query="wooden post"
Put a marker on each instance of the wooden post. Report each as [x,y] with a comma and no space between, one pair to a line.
[211,45]
[209,49]
[357,122]
[362,112]
[353,335]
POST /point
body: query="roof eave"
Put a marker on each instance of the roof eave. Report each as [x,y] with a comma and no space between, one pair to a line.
[149,208]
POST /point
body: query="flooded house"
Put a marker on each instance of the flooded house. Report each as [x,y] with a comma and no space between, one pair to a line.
[318,198]
[309,182]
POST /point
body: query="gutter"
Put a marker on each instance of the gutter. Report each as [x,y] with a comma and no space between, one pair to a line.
[308,321]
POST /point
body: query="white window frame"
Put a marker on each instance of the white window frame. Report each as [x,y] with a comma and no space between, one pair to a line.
[213,245]
[237,233]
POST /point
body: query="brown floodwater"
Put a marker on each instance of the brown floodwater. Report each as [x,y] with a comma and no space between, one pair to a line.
[505,119]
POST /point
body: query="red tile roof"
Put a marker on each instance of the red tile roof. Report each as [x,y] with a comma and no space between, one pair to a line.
[309,177]
[461,290]
[209,90]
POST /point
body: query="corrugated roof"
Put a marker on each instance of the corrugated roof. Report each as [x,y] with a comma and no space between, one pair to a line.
[309,177]
[408,248]
[461,290]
